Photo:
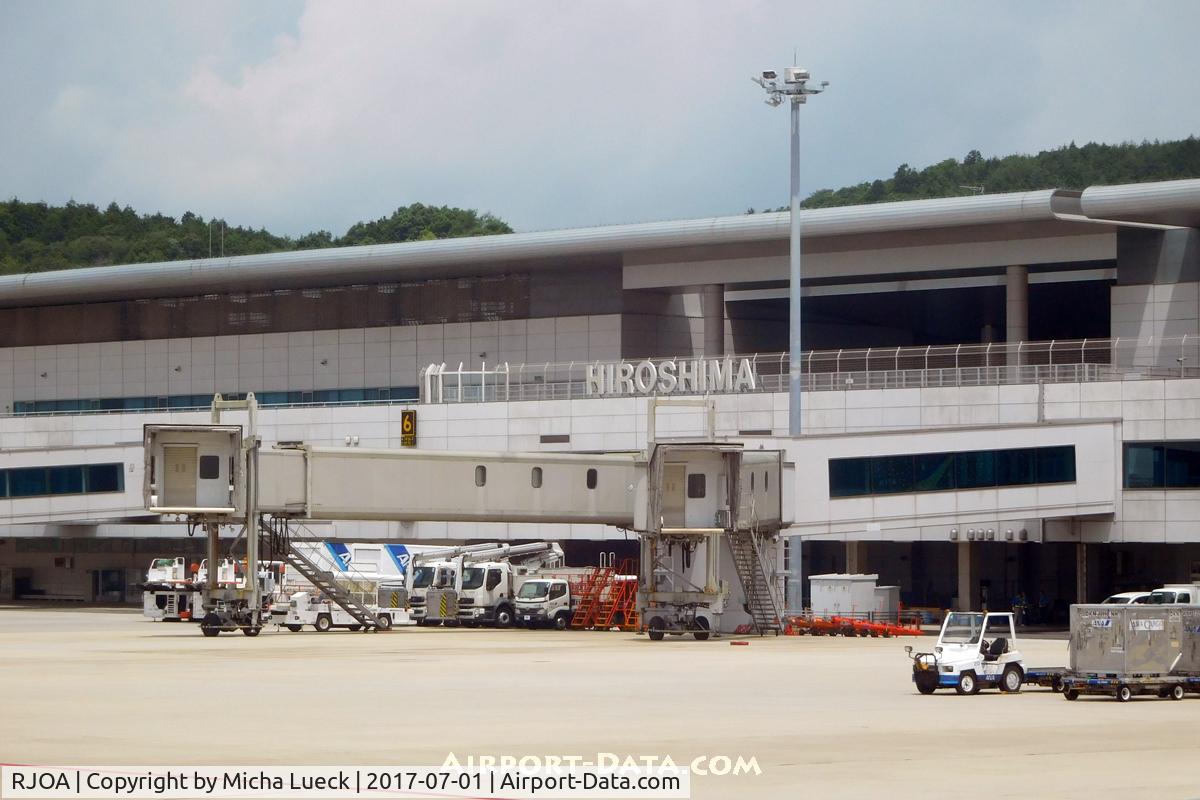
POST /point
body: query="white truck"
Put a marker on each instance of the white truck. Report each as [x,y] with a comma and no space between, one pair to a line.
[309,608]
[475,584]
[487,590]
[973,650]
[543,602]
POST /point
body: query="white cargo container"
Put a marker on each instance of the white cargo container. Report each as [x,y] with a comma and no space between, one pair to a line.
[846,595]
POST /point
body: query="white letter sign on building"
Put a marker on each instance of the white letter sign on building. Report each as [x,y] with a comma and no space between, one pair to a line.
[690,376]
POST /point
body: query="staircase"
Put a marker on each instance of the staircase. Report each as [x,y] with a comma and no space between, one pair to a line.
[761,602]
[618,605]
[339,591]
[590,597]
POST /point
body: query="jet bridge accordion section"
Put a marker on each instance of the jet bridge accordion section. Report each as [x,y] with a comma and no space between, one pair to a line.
[351,483]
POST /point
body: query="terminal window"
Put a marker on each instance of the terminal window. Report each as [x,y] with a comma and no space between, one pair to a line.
[59,480]
[1162,465]
[939,472]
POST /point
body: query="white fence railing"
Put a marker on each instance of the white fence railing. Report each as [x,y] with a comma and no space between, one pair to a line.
[991,364]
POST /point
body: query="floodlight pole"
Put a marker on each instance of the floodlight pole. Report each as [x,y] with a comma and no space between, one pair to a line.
[795,349]
[795,88]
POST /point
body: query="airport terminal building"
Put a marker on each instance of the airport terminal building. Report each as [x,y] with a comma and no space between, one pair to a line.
[1002,392]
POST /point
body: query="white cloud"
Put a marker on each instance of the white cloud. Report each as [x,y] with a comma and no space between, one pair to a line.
[553,114]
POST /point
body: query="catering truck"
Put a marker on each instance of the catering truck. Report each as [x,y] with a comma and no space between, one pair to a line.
[479,588]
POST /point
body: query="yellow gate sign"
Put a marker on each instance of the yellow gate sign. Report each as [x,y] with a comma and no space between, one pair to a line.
[408,428]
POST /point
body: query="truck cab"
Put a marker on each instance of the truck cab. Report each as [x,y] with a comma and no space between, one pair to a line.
[544,602]
[424,577]
[485,594]
[973,650]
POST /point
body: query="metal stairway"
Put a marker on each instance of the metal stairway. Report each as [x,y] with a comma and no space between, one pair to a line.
[339,591]
[590,597]
[761,603]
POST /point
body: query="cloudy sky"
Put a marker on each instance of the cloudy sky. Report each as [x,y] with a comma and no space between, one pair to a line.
[299,116]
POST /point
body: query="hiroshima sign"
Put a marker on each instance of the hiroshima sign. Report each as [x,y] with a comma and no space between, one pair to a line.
[670,376]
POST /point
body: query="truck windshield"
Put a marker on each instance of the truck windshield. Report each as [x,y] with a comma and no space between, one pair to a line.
[533,590]
[962,628]
[422,577]
[472,578]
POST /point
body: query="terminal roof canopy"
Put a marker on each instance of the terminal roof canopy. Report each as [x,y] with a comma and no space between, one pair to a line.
[1048,226]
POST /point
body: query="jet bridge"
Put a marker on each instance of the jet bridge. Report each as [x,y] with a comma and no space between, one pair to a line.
[688,501]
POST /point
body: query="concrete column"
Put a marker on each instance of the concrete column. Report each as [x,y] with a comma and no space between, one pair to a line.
[712,309]
[856,557]
[795,577]
[1016,304]
[966,577]
[1081,573]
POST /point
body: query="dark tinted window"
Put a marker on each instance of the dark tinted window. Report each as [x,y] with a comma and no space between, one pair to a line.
[933,472]
[1143,466]
[891,474]
[1181,466]
[591,478]
[1016,467]
[975,470]
[210,467]
[105,478]
[27,482]
[849,477]
[66,480]
[695,485]
[1056,464]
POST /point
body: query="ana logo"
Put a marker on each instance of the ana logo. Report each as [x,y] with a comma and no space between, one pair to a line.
[1102,623]
[404,562]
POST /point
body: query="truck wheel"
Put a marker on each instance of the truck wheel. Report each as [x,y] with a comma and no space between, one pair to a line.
[656,630]
[295,628]
[1176,692]
[967,683]
[383,622]
[504,617]
[1056,684]
[927,682]
[1071,694]
[1124,693]
[561,621]
[1010,681]
[253,630]
[323,623]
[702,630]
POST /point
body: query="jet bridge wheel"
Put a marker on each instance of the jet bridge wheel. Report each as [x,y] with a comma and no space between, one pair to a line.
[295,628]
[252,630]
[211,625]
[701,629]
[656,629]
